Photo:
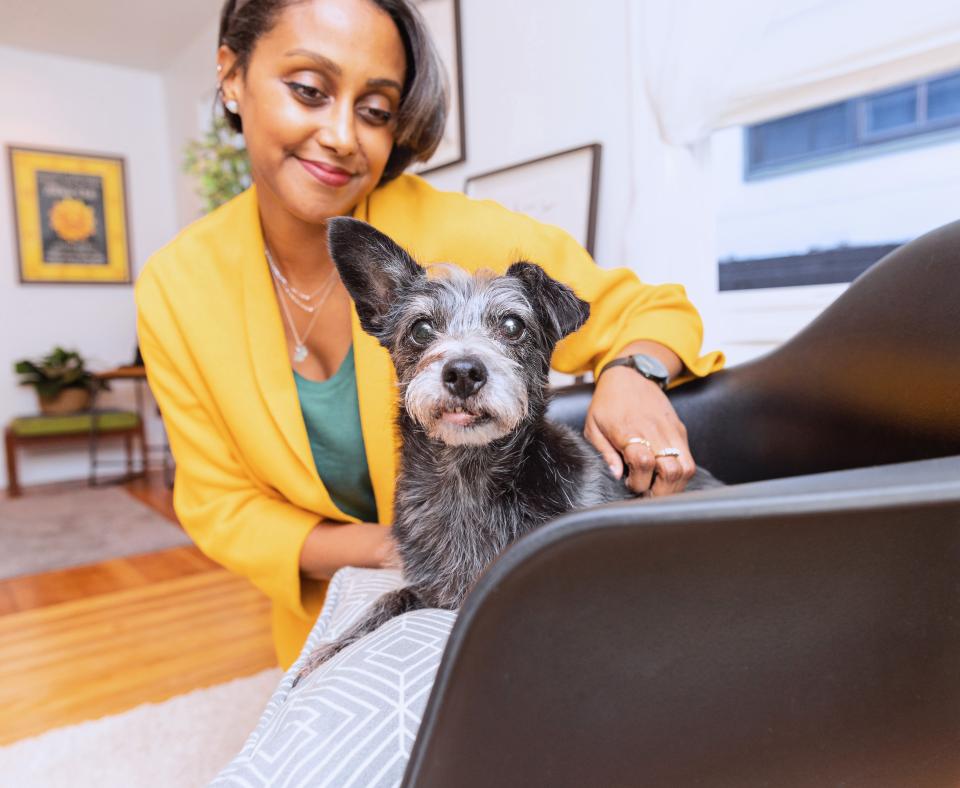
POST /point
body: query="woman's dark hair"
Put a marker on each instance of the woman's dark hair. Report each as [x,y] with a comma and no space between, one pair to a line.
[423,103]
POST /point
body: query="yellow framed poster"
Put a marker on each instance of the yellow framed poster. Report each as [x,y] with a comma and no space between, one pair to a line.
[70,215]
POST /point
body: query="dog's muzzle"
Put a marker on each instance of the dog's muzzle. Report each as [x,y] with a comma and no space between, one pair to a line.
[464,377]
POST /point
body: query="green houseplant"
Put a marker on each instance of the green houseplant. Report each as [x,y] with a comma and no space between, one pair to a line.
[61,379]
[218,164]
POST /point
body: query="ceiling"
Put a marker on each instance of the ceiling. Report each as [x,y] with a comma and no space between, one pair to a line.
[135,33]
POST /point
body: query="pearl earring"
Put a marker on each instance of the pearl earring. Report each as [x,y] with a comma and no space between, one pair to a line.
[232,106]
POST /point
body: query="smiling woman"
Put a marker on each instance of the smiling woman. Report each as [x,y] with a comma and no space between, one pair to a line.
[280,409]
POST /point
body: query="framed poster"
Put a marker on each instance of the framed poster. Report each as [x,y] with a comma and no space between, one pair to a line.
[559,189]
[70,217]
[443,20]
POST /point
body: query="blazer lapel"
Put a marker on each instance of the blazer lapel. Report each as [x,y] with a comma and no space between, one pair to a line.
[265,336]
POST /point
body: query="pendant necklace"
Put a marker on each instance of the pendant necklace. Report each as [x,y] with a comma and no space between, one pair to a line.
[298,298]
[300,351]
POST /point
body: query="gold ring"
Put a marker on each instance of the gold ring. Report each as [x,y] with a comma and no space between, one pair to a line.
[641,441]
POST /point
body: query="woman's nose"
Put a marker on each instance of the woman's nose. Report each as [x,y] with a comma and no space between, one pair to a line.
[338,131]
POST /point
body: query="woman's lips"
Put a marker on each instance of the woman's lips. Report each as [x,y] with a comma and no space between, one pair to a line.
[326,173]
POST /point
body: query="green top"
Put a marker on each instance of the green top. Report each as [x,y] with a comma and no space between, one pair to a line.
[331,413]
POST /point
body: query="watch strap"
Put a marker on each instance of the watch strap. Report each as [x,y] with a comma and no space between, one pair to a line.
[628,361]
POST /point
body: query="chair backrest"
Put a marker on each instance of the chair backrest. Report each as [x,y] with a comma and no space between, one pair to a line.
[874,379]
[736,637]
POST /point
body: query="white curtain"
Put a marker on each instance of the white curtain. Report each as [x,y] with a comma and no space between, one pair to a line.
[697,66]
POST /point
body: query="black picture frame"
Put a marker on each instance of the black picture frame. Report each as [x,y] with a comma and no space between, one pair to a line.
[453,148]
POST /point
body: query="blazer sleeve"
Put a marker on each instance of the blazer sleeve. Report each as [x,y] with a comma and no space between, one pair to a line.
[623,309]
[233,518]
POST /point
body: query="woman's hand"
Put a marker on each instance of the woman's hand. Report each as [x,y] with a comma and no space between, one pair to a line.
[630,419]
[331,546]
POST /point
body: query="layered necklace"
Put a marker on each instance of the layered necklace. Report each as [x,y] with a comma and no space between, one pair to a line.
[308,302]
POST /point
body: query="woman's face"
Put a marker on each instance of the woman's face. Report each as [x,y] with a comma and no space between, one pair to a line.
[319,100]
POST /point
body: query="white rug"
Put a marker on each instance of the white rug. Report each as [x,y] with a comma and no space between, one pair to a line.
[39,533]
[180,743]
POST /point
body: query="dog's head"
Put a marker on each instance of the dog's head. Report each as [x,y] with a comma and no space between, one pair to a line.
[472,353]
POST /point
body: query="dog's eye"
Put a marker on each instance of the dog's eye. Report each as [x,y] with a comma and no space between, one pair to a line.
[422,332]
[511,327]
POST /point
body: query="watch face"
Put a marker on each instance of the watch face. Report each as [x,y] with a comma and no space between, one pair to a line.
[651,366]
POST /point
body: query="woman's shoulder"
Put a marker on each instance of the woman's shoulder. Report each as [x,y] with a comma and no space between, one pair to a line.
[447,225]
[421,198]
[207,248]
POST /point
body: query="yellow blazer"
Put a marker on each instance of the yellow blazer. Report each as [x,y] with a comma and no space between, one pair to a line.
[247,489]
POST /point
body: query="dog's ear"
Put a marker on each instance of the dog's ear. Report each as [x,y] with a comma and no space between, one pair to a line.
[373,268]
[556,304]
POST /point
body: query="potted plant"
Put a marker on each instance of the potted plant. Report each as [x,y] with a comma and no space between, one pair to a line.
[218,163]
[62,381]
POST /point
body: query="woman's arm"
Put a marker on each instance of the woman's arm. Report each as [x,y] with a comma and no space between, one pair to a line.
[330,546]
[626,316]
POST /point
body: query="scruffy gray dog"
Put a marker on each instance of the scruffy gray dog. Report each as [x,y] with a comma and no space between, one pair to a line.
[480,463]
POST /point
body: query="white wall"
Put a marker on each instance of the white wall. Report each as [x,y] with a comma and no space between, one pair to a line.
[540,77]
[59,102]
[189,85]
[890,197]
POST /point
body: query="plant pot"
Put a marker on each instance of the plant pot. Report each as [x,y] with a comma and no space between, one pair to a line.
[68,401]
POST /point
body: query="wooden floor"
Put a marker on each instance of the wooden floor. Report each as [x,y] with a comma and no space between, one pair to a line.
[80,643]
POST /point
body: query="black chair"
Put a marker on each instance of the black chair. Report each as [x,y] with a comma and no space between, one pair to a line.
[799,628]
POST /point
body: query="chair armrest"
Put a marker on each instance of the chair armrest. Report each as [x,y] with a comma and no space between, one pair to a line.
[796,632]
[568,405]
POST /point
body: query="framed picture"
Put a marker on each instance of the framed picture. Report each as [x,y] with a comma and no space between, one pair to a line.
[559,189]
[443,20]
[70,217]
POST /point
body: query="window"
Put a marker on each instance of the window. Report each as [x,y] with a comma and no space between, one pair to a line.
[858,123]
[892,111]
[943,98]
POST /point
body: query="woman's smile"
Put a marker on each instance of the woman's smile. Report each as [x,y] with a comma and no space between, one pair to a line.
[327,174]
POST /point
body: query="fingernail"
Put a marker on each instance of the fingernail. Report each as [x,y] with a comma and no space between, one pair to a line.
[613,472]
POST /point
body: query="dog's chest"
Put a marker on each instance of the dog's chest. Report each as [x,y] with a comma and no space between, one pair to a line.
[450,526]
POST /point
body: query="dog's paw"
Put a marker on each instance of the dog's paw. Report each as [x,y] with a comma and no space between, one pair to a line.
[317,657]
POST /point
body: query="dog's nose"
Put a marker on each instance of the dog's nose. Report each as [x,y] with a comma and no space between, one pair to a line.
[464,376]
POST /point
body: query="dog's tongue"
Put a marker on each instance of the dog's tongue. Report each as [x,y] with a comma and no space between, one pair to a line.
[462,419]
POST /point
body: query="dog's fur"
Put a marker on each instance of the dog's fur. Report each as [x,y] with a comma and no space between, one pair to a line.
[470,482]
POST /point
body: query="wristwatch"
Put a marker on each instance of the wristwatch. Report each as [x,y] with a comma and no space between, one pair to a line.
[648,366]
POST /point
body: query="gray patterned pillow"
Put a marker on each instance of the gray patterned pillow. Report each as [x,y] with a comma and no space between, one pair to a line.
[353,721]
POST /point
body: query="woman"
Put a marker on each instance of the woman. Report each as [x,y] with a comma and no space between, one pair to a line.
[279,408]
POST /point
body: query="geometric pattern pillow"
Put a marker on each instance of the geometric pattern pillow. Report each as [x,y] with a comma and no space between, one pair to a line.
[353,721]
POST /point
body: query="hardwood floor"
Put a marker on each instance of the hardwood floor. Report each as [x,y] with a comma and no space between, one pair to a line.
[80,643]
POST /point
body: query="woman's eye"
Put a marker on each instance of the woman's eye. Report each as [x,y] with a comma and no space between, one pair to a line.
[511,327]
[422,332]
[375,116]
[307,92]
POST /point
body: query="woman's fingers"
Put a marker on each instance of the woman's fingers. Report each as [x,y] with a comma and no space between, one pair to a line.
[670,477]
[660,464]
[638,454]
[607,450]
[632,419]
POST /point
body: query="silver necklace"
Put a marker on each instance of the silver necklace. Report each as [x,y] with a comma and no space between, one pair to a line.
[298,298]
[300,351]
